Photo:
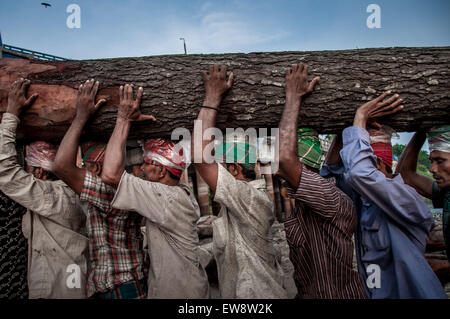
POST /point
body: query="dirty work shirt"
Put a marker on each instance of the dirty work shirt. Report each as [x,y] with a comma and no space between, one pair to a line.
[54,224]
[441,199]
[171,213]
[393,226]
[319,232]
[242,240]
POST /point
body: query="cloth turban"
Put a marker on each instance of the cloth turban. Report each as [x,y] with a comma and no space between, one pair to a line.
[93,152]
[41,154]
[439,138]
[380,140]
[308,147]
[166,153]
[236,152]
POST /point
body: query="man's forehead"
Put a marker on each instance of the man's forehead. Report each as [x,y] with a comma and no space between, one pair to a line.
[439,154]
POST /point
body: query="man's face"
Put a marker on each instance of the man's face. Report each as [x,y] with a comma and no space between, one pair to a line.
[150,172]
[440,168]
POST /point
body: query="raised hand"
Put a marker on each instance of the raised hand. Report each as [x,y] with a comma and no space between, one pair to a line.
[17,97]
[86,106]
[129,108]
[297,82]
[216,84]
[376,108]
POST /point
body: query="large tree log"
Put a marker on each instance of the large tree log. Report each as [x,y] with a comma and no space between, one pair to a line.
[173,89]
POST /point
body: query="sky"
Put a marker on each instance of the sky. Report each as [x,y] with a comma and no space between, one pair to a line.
[111,28]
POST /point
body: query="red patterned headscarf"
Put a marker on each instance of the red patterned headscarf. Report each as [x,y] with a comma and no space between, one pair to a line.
[380,140]
[41,154]
[166,153]
[93,152]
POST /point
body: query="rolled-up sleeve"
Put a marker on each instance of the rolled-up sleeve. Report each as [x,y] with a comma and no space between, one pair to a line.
[147,198]
[392,195]
[318,193]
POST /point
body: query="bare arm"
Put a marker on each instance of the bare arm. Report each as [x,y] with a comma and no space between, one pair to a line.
[113,165]
[216,86]
[407,166]
[66,158]
[296,87]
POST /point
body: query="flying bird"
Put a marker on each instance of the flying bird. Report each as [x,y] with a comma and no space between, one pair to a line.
[45,4]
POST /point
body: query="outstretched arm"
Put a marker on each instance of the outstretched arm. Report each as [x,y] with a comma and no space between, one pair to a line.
[407,166]
[66,158]
[113,165]
[15,182]
[216,86]
[296,87]
[399,202]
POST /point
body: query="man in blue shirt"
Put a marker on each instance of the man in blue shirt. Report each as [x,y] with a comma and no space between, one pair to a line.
[393,221]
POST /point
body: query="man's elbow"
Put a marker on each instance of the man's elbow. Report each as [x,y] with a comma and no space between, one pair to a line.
[355,177]
[60,169]
[110,178]
[57,168]
[287,160]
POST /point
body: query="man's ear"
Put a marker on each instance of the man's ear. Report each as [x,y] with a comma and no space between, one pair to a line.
[162,171]
[98,169]
[38,172]
[379,164]
[233,168]
[382,167]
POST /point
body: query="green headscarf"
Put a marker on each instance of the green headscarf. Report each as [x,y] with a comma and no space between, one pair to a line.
[237,152]
[309,149]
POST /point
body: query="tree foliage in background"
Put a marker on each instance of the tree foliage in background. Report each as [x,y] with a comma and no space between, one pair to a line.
[423,163]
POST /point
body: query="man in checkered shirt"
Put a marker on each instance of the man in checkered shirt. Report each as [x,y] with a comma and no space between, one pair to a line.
[116,267]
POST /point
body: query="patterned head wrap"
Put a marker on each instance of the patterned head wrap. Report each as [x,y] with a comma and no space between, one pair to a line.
[166,153]
[309,149]
[93,152]
[380,140]
[439,138]
[41,154]
[236,152]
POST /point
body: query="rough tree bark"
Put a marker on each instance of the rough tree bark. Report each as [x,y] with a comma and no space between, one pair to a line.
[173,89]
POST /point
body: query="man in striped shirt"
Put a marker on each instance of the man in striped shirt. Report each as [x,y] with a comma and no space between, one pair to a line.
[320,228]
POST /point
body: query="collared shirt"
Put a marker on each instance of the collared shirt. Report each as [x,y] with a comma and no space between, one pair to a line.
[242,240]
[171,213]
[393,226]
[319,232]
[54,224]
[441,199]
[115,239]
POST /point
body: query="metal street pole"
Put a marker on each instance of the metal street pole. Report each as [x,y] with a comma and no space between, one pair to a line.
[184,43]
